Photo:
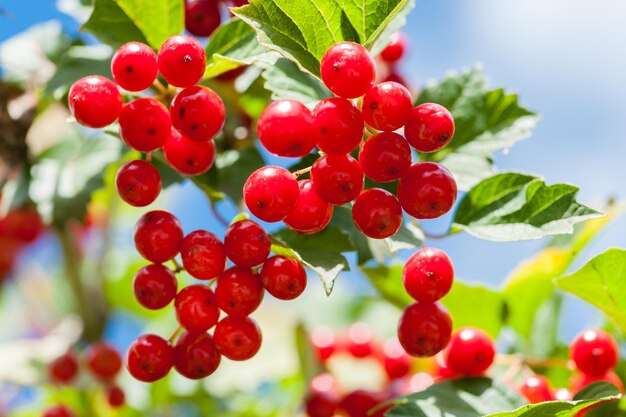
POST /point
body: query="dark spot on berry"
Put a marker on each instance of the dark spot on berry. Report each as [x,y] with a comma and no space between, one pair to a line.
[430,274]
[394,171]
[336,66]
[232,304]
[323,131]
[152,131]
[144,366]
[260,204]
[346,187]
[193,126]
[443,138]
[128,68]
[191,162]
[201,371]
[291,287]
[237,342]
[181,113]
[374,106]
[434,205]
[187,59]
[480,357]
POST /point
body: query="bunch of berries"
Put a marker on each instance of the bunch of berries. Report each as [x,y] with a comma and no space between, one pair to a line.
[18,228]
[202,17]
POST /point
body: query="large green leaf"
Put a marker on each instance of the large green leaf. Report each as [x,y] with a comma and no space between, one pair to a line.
[285,80]
[78,62]
[388,282]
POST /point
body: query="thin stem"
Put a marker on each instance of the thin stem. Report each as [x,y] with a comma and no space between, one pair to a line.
[219,216]
[433,236]
[175,335]
[301,172]
[160,87]
[177,267]
[149,156]
[505,359]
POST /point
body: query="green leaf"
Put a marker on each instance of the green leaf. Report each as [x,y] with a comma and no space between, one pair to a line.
[233,168]
[342,218]
[409,236]
[285,80]
[309,363]
[512,206]
[78,62]
[388,282]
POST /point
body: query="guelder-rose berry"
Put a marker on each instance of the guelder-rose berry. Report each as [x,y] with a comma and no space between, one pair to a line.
[103,361]
[428,275]
[536,389]
[198,113]
[385,157]
[195,355]
[238,338]
[158,236]
[247,244]
[58,411]
[115,396]
[134,66]
[424,329]
[311,214]
[202,17]
[155,286]
[64,369]
[429,128]
[594,352]
[196,308]
[320,404]
[348,69]
[395,360]
[270,193]
[286,129]
[187,156]
[377,213]
[359,403]
[337,179]
[203,255]
[580,380]
[360,343]
[150,358]
[138,183]
[145,124]
[182,61]
[239,291]
[427,190]
[387,106]
[470,352]
[394,51]
[95,101]
[284,278]
[339,126]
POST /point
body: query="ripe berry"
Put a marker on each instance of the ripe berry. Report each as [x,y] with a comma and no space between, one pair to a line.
[187,156]
[580,380]
[360,343]
[202,17]
[196,308]
[145,124]
[396,362]
[283,277]
[203,255]
[337,179]
[348,69]
[95,101]
[138,183]
[359,403]
[387,106]
[198,113]
[181,61]
[103,361]
[428,275]
[271,193]
[158,236]
[286,129]
[394,51]
[339,126]
[429,128]
[320,404]
[427,190]
[595,352]
[536,389]
[470,352]
[239,291]
[134,66]
[155,286]
[22,224]
[150,358]
[377,213]
[115,396]
[58,411]
[238,338]
[247,244]
[323,340]
[424,329]
[195,355]
[63,370]
[385,157]
[311,214]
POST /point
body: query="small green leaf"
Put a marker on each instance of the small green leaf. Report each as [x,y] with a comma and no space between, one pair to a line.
[285,80]
[342,218]
[78,62]
[233,168]
[388,282]
[309,363]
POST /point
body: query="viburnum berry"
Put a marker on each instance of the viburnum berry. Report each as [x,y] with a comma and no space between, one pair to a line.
[187,156]
[196,308]
[195,355]
[536,389]
[394,51]
[95,101]
[311,214]
[155,286]
[323,340]
[115,396]
[203,255]
[158,236]
[580,380]
[138,183]
[320,404]
[182,61]
[270,193]
[377,213]
[337,179]
[594,352]
[150,358]
[387,106]
[238,338]
[428,275]
[145,124]
[58,411]
[22,224]
[246,243]
[286,128]
[424,329]
[202,17]
[427,190]
[198,113]
[339,126]
[64,369]
[348,69]
[470,352]
[360,343]
[134,66]
[103,361]
[395,360]
[239,291]
[429,128]
[284,278]
[442,370]
[359,403]
[385,157]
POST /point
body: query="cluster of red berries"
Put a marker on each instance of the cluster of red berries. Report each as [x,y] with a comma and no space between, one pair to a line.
[102,361]
[18,228]
[202,17]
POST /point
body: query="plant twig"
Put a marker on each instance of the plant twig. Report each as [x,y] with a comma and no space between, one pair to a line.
[219,216]
[301,172]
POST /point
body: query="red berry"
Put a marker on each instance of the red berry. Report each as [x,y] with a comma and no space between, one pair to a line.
[195,355]
[470,352]
[283,277]
[181,61]
[63,370]
[247,244]
[377,213]
[58,411]
[155,286]
[338,179]
[323,341]
[385,157]
[580,380]
[196,308]
[286,129]
[397,78]
[239,291]
[428,275]
[158,236]
[387,106]
[134,66]
[429,128]
[187,156]
[202,17]
[595,352]
[320,405]
[150,358]
[424,329]
[22,224]
[311,214]
[396,362]
[536,389]
[203,255]
[427,190]
[103,361]
[138,183]
[145,124]
[360,343]
[359,403]
[238,338]
[339,126]
[115,396]
[271,193]
[198,113]
[348,69]
[95,101]
[442,370]
[394,51]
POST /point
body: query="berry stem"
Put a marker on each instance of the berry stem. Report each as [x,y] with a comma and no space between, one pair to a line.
[160,87]
[148,156]
[508,359]
[437,236]
[301,172]
[219,216]
[179,330]
[177,267]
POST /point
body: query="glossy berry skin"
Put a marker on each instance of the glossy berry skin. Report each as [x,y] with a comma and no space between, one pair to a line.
[339,126]
[202,17]
[424,329]
[138,183]
[198,113]
[580,380]
[348,69]
[64,369]
[394,51]
[270,193]
[284,278]
[196,308]
[187,156]
[337,179]
[115,396]
[427,190]
[311,214]
[134,66]
[385,157]
[428,275]
[247,244]
[594,352]
[360,342]
[322,339]
[58,411]
[145,124]
[358,403]
[377,213]
[158,236]
[182,61]
[238,338]
[103,361]
[470,352]
[429,128]
[387,106]
[394,359]
[203,255]
[150,358]
[95,101]
[536,389]
[286,129]
[196,355]
[239,291]
[320,404]
[155,286]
